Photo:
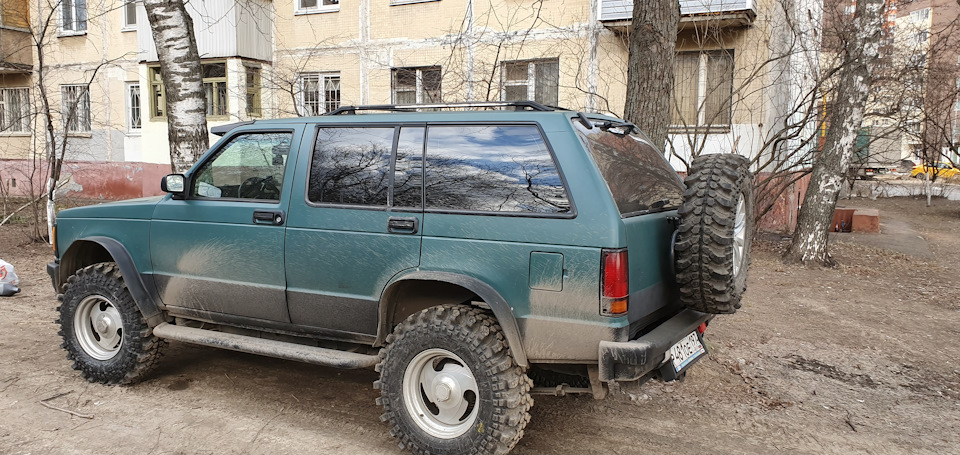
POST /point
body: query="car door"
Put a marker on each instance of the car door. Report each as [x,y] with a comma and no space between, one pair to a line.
[357,225]
[219,250]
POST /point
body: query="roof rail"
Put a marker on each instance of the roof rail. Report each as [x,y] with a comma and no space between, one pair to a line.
[519,105]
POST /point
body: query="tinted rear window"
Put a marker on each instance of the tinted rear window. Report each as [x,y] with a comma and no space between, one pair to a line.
[638,176]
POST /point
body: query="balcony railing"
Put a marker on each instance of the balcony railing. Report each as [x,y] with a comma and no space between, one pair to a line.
[690,10]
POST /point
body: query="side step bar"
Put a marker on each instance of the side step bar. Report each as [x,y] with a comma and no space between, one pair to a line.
[270,348]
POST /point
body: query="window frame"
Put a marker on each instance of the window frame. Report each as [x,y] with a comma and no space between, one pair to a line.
[323,104]
[531,82]
[84,92]
[255,89]
[194,173]
[419,83]
[158,104]
[75,21]
[702,94]
[128,92]
[298,9]
[124,12]
[25,106]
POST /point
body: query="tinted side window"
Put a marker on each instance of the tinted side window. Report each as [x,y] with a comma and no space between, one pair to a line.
[408,178]
[492,169]
[250,166]
[351,166]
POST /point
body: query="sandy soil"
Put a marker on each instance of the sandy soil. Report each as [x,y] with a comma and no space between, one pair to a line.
[858,359]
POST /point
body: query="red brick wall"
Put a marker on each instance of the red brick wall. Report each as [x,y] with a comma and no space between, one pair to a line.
[88,180]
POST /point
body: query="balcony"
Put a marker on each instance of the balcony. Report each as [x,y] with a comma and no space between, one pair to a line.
[616,14]
[223,28]
[16,55]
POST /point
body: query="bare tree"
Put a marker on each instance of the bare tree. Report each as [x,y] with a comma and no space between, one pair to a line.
[653,38]
[172,30]
[858,55]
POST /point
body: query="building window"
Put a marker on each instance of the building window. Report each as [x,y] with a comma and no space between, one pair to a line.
[319,93]
[73,16]
[14,110]
[214,86]
[417,85]
[531,81]
[134,116]
[920,15]
[253,91]
[129,15]
[702,90]
[75,107]
[316,6]
[158,103]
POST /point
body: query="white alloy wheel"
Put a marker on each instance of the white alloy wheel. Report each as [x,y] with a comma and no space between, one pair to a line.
[440,393]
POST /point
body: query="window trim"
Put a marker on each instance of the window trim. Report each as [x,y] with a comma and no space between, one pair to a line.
[212,154]
[3,99]
[66,32]
[702,75]
[257,90]
[65,121]
[419,89]
[410,2]
[531,82]
[155,69]
[128,86]
[126,26]
[319,9]
[322,77]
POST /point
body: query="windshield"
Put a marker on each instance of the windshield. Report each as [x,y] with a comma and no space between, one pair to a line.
[640,179]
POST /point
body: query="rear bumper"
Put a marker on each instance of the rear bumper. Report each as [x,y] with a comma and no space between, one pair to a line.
[53,269]
[631,360]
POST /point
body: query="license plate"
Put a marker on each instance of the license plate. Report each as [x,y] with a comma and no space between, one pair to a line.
[686,351]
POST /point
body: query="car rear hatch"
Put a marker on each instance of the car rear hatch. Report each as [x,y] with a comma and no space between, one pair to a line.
[647,192]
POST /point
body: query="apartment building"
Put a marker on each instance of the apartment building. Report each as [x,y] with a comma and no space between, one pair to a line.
[273,58]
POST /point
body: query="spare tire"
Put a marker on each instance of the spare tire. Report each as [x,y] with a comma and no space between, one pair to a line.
[716,229]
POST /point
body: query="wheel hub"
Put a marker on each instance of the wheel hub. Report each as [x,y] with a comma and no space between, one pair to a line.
[98,327]
[440,393]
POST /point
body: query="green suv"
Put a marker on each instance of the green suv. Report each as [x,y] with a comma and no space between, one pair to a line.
[473,254]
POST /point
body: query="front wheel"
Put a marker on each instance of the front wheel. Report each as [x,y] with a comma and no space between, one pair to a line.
[103,331]
[449,384]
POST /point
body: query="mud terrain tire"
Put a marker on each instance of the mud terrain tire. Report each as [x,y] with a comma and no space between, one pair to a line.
[103,331]
[715,233]
[453,340]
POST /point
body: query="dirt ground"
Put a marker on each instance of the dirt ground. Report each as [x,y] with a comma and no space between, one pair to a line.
[861,358]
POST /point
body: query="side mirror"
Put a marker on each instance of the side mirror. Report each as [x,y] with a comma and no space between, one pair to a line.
[173,184]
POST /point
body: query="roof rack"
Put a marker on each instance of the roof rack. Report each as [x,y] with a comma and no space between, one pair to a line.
[518,105]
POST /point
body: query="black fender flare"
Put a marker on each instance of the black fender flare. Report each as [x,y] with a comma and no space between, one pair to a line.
[131,277]
[501,309]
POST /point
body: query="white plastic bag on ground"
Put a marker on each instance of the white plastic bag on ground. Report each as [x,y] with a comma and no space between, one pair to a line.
[8,279]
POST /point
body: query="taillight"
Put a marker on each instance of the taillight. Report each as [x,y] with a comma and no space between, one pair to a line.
[53,240]
[615,282]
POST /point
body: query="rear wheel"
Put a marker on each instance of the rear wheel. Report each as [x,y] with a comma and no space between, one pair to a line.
[449,384]
[103,331]
[715,233]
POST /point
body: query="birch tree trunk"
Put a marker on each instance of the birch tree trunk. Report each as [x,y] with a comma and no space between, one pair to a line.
[859,54]
[653,38]
[172,31]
